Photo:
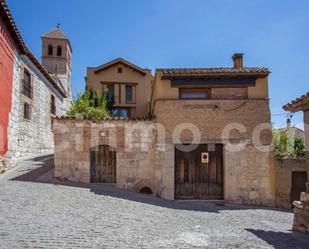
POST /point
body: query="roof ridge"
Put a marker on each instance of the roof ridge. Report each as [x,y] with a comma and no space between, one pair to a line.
[117,60]
[52,32]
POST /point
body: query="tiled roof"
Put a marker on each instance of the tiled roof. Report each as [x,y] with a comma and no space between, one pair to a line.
[215,72]
[106,119]
[57,33]
[12,27]
[295,105]
[119,60]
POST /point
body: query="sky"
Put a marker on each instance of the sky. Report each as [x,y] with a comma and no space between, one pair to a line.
[180,33]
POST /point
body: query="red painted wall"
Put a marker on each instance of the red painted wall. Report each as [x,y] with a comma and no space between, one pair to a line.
[6,80]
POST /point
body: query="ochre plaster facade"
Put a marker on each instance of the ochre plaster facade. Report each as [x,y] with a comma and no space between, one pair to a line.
[140,79]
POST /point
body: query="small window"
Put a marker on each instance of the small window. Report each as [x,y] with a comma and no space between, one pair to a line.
[119,69]
[27,90]
[129,94]
[50,50]
[59,51]
[110,89]
[52,104]
[194,93]
[27,111]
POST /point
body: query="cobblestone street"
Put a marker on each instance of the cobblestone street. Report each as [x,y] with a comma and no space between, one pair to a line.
[39,212]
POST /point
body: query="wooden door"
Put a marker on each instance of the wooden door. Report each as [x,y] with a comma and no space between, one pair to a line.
[195,179]
[299,180]
[103,164]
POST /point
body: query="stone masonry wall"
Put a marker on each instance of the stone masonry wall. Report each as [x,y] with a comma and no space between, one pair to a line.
[249,177]
[248,173]
[139,162]
[34,136]
[284,169]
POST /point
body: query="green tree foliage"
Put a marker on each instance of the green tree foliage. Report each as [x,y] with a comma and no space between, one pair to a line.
[286,145]
[90,105]
[299,147]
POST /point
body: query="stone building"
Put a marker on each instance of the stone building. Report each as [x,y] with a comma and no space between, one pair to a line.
[221,113]
[301,209]
[291,130]
[126,82]
[36,94]
[8,50]
[290,180]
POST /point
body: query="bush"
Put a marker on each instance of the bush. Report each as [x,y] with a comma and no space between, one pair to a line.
[288,146]
[299,147]
[90,105]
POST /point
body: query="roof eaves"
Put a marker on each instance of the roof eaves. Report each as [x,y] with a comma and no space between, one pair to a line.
[119,60]
[6,14]
[295,105]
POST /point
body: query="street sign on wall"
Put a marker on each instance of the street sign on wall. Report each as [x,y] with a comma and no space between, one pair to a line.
[205,157]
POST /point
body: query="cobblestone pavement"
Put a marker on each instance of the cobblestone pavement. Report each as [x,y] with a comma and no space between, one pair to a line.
[36,214]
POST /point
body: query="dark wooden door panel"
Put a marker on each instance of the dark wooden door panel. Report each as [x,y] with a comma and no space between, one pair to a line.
[299,180]
[194,179]
[103,164]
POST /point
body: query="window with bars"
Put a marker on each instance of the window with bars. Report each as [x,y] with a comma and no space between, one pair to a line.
[27,111]
[52,104]
[27,89]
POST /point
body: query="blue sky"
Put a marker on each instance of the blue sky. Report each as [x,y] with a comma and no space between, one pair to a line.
[180,33]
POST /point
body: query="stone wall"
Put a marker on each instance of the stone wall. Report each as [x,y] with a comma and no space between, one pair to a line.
[34,136]
[283,183]
[249,172]
[139,162]
[249,177]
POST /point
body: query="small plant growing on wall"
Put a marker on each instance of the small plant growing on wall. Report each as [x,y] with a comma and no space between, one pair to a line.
[91,105]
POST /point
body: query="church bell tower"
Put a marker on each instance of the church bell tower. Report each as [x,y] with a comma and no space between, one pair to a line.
[56,58]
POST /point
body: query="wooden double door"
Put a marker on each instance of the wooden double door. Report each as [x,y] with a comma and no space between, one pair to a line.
[197,177]
[103,164]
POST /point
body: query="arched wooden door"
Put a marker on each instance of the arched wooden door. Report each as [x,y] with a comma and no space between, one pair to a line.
[103,164]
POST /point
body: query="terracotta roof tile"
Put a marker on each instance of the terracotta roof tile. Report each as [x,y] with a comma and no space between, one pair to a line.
[295,104]
[215,72]
[57,33]
[106,119]
[12,27]
[119,60]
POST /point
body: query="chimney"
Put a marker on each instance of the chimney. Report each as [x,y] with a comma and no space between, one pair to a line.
[238,60]
[288,123]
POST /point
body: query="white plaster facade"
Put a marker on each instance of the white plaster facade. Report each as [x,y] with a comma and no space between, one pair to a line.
[32,137]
